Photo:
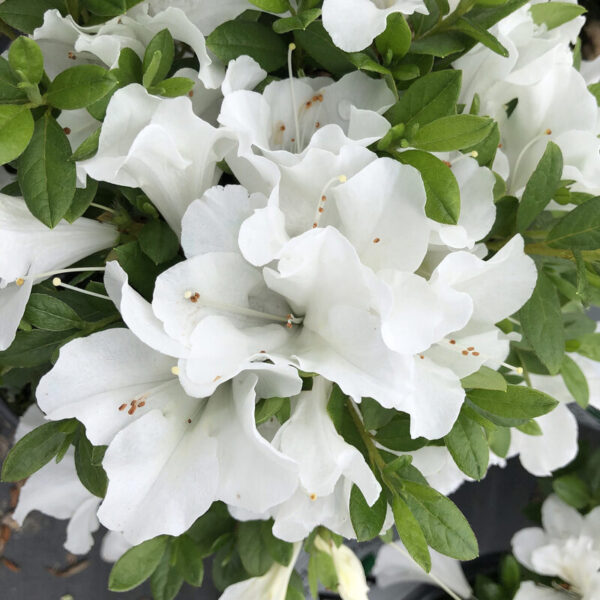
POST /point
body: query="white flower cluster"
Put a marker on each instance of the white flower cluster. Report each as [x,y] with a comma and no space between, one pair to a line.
[322,260]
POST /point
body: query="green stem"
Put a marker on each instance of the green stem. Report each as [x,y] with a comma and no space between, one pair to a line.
[374,456]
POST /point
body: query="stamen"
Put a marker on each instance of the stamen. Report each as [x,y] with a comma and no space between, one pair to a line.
[473,154]
[175,370]
[57,282]
[313,497]
[102,207]
[21,280]
[291,48]
[323,198]
[195,297]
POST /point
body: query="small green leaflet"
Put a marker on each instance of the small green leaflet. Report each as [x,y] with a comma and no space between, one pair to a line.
[366,520]
[26,59]
[452,133]
[80,86]
[467,443]
[16,131]
[554,14]
[485,379]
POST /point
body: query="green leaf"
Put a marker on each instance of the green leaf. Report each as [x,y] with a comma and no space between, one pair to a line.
[267,408]
[274,6]
[141,270]
[374,415]
[486,149]
[188,560]
[26,57]
[173,87]
[82,200]
[211,526]
[158,58]
[573,490]
[431,97]
[541,186]
[575,381]
[16,130]
[130,68]
[297,22]
[51,314]
[517,405]
[441,187]
[499,441]
[530,428]
[106,8]
[579,229]
[510,573]
[166,581]
[317,43]
[322,568]
[87,148]
[468,446]
[279,550]
[396,38]
[255,556]
[541,320]
[589,345]
[32,348]
[366,520]
[440,45]
[396,435]
[479,34]
[46,175]
[91,475]
[365,63]
[554,14]
[80,86]
[445,527]
[235,38]
[485,379]
[452,133]
[9,92]
[137,564]
[27,15]
[410,533]
[158,242]
[36,449]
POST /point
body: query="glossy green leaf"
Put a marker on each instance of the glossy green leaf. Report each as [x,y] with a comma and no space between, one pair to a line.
[158,58]
[441,187]
[26,59]
[137,564]
[452,133]
[468,446]
[46,175]
[541,321]
[479,34]
[51,314]
[396,38]
[297,22]
[82,200]
[541,186]
[87,148]
[16,131]
[36,449]
[27,15]
[80,86]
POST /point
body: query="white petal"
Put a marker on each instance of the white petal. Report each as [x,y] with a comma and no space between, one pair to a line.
[83,523]
[561,520]
[162,471]
[525,541]
[243,73]
[114,545]
[95,376]
[530,591]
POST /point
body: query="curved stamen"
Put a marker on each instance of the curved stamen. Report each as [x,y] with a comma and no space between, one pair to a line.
[21,280]
[323,198]
[57,282]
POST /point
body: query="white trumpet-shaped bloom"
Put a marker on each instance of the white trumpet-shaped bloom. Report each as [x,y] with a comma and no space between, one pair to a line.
[29,249]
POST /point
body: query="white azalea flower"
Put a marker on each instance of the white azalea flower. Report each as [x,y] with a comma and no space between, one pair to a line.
[328,467]
[568,547]
[65,43]
[352,583]
[56,491]
[394,565]
[277,126]
[169,456]
[161,146]
[354,24]
[273,585]
[29,250]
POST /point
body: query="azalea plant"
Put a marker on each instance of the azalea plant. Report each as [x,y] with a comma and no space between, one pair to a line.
[281,274]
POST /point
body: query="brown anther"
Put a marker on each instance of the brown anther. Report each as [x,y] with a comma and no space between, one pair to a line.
[293,140]
[282,128]
[142,404]
[315,98]
[317,125]
[191,93]
[315,225]
[10,565]
[465,353]
[132,410]
[195,298]
[453,341]
[319,97]
[313,497]
[67,130]
[475,353]
[376,240]
[323,198]
[122,407]
[421,357]
[308,104]
[470,348]
[72,56]
[548,131]
[321,209]
[216,378]
[499,145]
[263,352]
[189,421]
[447,163]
